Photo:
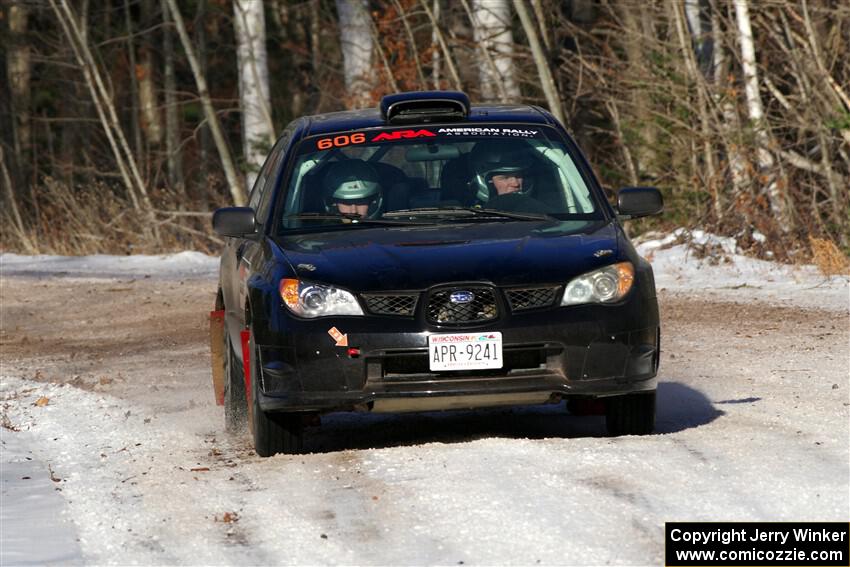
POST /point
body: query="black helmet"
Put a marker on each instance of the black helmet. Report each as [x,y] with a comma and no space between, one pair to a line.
[354,182]
[499,157]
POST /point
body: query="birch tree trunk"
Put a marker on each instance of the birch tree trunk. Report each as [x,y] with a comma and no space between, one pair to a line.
[491,20]
[553,99]
[151,120]
[766,161]
[257,127]
[233,181]
[355,32]
[698,15]
[435,48]
[174,155]
[19,74]
[730,121]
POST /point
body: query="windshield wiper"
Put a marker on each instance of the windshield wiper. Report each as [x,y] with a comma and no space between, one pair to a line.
[467,212]
[348,218]
[509,214]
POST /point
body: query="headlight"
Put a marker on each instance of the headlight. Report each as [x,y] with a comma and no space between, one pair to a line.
[604,285]
[307,299]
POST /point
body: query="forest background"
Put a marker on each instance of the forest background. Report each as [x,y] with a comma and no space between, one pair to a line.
[124,123]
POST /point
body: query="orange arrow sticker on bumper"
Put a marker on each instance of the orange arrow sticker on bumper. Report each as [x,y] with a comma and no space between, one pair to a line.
[340,338]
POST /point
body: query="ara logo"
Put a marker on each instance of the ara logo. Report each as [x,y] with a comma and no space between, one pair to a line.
[461,297]
[403,135]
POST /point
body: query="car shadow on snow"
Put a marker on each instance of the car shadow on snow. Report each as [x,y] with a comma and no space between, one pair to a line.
[679,408]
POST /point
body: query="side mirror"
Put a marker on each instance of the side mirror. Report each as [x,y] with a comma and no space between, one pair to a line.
[636,202]
[234,221]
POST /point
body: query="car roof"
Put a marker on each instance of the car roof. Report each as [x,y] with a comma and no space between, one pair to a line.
[371,118]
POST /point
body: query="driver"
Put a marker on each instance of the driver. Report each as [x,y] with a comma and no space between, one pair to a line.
[352,187]
[502,176]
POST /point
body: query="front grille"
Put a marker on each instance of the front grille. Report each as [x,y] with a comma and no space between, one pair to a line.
[532,297]
[397,304]
[443,311]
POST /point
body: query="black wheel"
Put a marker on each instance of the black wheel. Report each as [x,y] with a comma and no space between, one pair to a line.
[631,414]
[273,432]
[235,402]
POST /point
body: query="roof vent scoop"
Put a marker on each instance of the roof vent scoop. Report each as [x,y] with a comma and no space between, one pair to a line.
[422,107]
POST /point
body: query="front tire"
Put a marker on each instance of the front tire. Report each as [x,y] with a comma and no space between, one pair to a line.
[631,414]
[273,432]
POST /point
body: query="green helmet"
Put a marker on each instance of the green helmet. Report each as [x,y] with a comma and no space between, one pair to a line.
[354,182]
[498,157]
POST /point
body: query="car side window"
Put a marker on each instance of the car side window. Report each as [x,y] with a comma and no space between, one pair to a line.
[267,191]
[260,182]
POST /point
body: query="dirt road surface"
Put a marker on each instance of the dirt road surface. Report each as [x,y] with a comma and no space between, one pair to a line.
[107,380]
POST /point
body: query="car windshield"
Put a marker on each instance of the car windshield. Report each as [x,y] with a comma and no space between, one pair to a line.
[432,174]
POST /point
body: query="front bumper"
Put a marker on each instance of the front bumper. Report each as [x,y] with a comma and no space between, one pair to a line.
[589,351]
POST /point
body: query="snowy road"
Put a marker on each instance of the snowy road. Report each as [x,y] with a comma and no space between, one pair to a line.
[105,389]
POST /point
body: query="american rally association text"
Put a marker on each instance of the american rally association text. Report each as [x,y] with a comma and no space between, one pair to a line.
[755,534]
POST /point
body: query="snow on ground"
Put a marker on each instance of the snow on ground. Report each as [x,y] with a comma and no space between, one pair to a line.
[730,275]
[180,265]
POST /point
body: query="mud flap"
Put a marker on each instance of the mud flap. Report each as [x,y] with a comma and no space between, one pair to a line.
[217,354]
[245,335]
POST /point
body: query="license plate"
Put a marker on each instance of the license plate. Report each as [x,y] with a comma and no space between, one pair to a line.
[466,351]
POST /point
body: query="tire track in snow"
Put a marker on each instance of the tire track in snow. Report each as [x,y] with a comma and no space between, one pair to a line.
[334,516]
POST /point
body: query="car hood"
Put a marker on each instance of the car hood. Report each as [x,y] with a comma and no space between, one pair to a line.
[417,257]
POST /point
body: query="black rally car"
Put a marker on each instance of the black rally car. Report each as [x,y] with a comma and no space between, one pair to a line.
[430,255]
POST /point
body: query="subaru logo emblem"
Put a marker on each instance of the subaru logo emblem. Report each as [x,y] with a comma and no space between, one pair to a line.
[461,297]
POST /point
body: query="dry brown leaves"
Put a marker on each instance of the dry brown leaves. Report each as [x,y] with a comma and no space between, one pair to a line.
[828,258]
[228,518]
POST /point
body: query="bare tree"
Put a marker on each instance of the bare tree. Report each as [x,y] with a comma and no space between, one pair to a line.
[103,103]
[355,32]
[729,122]
[237,192]
[636,40]
[766,161]
[174,154]
[151,119]
[12,205]
[204,137]
[550,90]
[257,127]
[686,42]
[135,125]
[433,16]
[19,75]
[491,21]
